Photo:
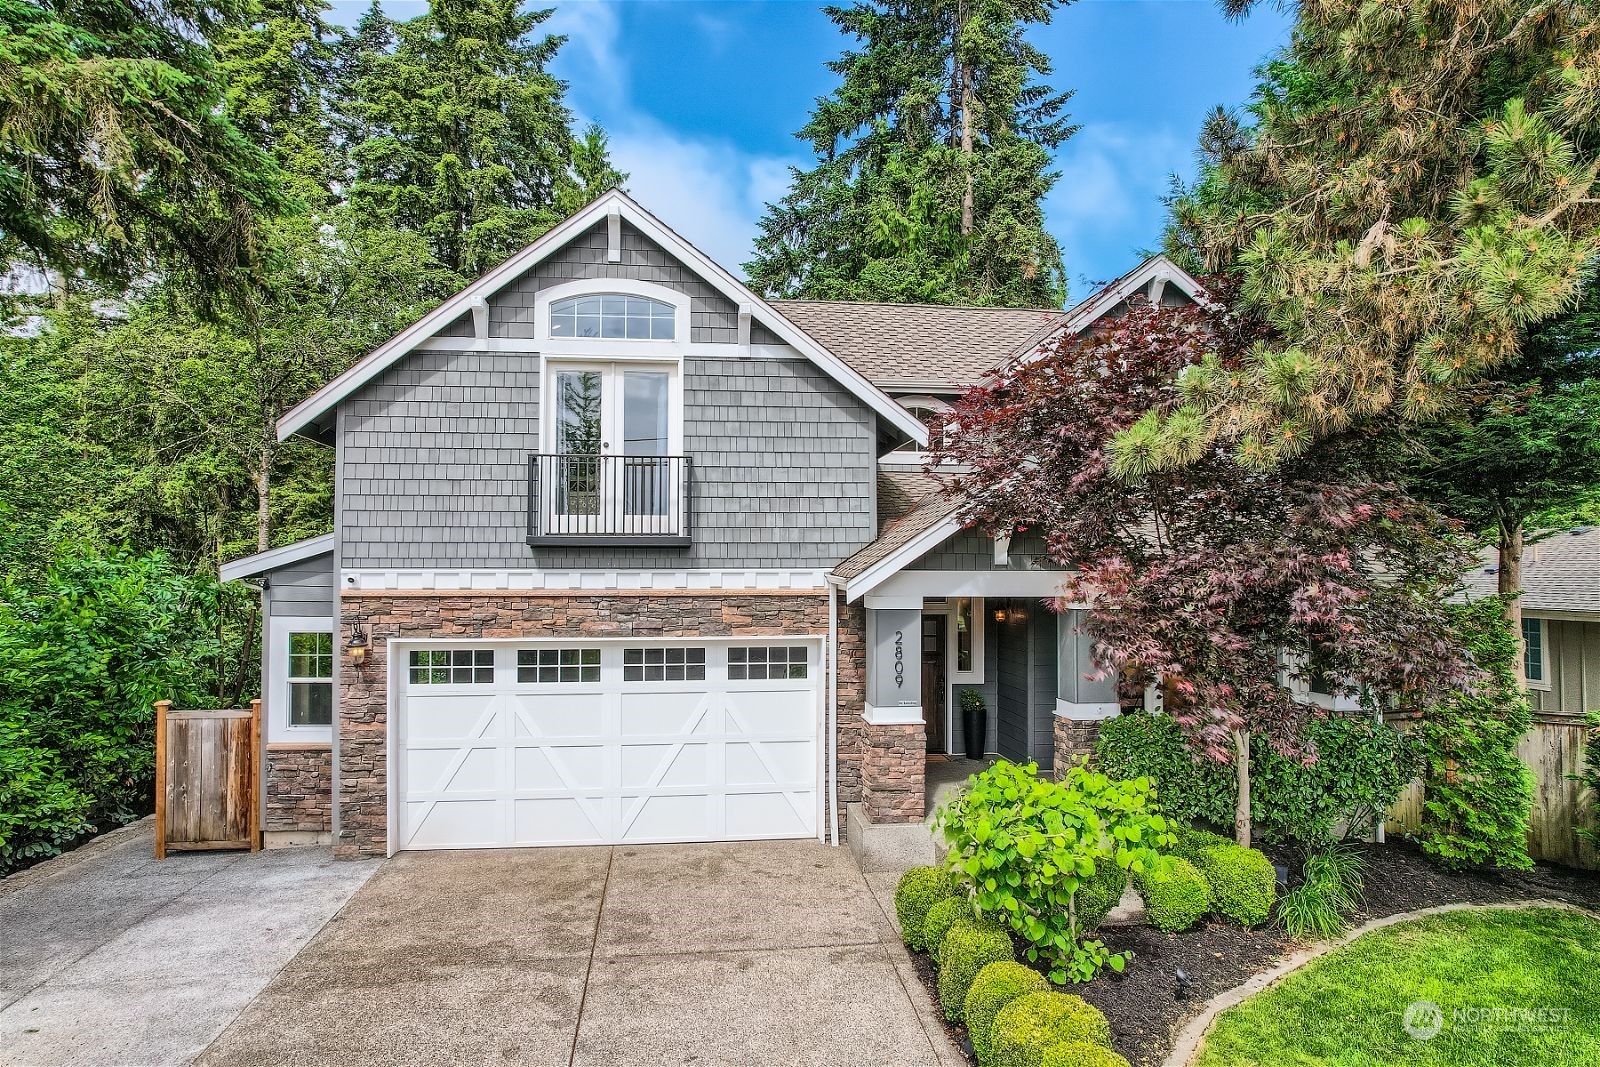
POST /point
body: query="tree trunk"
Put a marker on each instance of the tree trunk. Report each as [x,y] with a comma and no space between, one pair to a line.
[966,149]
[1241,807]
[263,484]
[1509,583]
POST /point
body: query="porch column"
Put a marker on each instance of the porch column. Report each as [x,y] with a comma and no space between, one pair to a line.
[1081,704]
[894,764]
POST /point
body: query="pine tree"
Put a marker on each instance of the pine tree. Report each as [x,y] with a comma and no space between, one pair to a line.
[469,142]
[933,160]
[1416,192]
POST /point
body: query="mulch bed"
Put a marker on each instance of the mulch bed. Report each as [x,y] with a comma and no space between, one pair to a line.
[1146,1007]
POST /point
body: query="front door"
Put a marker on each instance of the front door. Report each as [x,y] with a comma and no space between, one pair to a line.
[612,439]
[933,687]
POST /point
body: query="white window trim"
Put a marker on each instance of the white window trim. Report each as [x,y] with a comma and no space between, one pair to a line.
[278,728]
[1541,684]
[975,675]
[596,360]
[611,346]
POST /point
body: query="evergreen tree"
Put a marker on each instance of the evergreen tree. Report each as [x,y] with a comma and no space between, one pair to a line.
[933,160]
[469,142]
[1416,192]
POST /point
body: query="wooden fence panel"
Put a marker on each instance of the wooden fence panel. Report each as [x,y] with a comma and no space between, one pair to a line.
[207,779]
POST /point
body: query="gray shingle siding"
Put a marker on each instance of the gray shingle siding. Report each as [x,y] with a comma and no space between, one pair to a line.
[973,550]
[307,588]
[434,467]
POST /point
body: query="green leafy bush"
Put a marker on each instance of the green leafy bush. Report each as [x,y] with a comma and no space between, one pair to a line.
[968,948]
[1029,845]
[1243,883]
[1476,790]
[1099,895]
[1029,1026]
[1318,908]
[85,651]
[1361,768]
[997,985]
[918,891]
[941,917]
[1080,1054]
[1192,841]
[1590,776]
[1176,895]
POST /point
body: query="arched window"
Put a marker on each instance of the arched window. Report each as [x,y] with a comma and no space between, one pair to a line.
[631,318]
[931,410]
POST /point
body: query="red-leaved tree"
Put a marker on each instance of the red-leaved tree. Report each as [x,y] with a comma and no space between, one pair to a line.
[1222,584]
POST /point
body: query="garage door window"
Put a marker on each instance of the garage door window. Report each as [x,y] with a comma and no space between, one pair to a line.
[558,665]
[663,664]
[455,666]
[759,663]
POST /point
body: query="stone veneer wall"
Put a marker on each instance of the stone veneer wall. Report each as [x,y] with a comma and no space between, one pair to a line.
[895,772]
[364,700]
[297,785]
[1073,738]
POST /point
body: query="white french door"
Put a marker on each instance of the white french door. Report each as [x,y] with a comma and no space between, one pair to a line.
[612,430]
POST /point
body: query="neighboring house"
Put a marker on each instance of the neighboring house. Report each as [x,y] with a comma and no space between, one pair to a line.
[624,553]
[1560,619]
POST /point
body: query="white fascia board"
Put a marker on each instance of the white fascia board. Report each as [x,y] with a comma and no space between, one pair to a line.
[274,558]
[990,584]
[614,202]
[906,554]
[1090,311]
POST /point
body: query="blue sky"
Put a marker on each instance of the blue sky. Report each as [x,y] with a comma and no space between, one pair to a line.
[702,99]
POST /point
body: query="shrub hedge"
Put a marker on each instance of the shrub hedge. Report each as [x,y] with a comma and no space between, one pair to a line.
[941,917]
[1030,1025]
[918,891]
[1175,893]
[1192,841]
[1243,883]
[1097,896]
[997,985]
[968,948]
[1080,1054]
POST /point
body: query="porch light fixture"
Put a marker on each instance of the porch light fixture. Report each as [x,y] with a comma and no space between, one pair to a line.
[999,614]
[357,645]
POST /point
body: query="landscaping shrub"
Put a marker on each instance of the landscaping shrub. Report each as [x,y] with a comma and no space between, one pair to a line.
[1590,776]
[1361,768]
[1096,897]
[997,985]
[1193,841]
[1331,892]
[1243,883]
[1080,1054]
[919,890]
[941,917]
[1030,1025]
[1028,845]
[1175,893]
[968,948]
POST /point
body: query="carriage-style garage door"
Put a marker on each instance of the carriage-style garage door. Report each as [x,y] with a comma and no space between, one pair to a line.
[606,742]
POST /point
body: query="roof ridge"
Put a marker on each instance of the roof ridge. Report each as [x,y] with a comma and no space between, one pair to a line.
[779,301]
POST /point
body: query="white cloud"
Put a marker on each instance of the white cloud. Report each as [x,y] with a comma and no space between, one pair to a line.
[1112,181]
[592,31]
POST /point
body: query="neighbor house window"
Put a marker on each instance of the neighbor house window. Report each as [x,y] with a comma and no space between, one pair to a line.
[630,318]
[761,663]
[1533,653]
[663,664]
[452,666]
[310,679]
[558,665]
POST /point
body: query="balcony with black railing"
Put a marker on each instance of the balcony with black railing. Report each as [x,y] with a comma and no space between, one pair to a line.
[608,500]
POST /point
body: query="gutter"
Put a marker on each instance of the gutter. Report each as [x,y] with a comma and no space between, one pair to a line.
[833,709]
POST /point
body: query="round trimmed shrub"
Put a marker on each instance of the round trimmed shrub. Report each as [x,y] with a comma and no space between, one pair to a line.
[1080,1054]
[941,917]
[919,890]
[1097,896]
[1243,883]
[1192,842]
[968,948]
[997,985]
[1175,893]
[1029,1026]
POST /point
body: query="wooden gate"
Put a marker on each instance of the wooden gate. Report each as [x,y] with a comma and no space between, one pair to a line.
[208,779]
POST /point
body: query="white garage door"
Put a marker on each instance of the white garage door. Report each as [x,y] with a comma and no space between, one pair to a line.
[606,742]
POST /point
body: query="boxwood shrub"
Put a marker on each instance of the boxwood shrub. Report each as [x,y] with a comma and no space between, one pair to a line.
[1080,1054]
[1096,897]
[1243,883]
[968,948]
[1192,841]
[1030,1025]
[997,985]
[919,890]
[941,917]
[1175,893]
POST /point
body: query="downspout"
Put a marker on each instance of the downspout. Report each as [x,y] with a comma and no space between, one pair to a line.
[833,710]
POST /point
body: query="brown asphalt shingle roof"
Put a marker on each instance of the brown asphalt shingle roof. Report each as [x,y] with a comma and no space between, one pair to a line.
[917,346]
[1559,573]
[916,503]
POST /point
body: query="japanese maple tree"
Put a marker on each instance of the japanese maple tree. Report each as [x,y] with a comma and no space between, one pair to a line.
[1222,582]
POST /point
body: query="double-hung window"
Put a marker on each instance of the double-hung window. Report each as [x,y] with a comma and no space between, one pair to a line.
[300,680]
[1534,656]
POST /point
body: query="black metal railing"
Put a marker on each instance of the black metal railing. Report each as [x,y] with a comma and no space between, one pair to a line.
[583,500]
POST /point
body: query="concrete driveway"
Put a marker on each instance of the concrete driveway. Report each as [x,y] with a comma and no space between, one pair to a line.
[767,953]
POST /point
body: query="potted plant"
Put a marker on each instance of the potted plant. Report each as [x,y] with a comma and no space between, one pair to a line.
[974,722]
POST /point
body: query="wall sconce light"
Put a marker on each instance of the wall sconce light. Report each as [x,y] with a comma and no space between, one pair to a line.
[358,644]
[999,614]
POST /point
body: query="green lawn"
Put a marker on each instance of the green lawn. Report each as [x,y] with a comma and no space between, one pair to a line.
[1346,1008]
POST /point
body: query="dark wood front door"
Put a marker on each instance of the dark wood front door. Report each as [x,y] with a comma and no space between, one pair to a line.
[933,687]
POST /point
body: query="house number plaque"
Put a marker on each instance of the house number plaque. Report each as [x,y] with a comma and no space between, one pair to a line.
[899,659]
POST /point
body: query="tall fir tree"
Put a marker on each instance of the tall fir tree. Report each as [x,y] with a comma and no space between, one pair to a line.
[933,161]
[468,141]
